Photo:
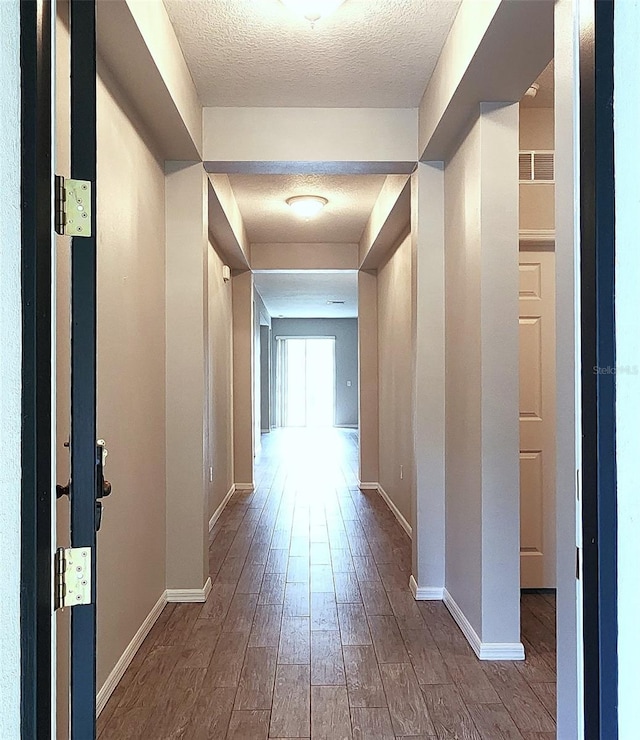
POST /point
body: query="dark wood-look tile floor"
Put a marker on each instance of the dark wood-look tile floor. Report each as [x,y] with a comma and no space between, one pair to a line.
[310,630]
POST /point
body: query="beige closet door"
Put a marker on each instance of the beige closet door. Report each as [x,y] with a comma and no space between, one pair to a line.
[537,420]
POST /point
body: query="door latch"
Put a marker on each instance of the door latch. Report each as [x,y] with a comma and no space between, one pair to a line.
[72,210]
[577,563]
[103,487]
[63,490]
[72,577]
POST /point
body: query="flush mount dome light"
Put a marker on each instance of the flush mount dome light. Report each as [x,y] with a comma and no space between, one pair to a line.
[307,206]
[313,10]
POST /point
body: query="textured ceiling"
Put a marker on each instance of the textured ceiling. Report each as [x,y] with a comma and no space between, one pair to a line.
[544,98]
[369,53]
[268,218]
[304,295]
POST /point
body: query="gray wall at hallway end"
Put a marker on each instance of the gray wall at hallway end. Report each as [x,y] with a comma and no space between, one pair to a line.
[262,329]
[346,333]
[265,378]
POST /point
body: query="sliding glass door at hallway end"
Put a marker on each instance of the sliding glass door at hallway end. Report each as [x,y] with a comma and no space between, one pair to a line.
[305,369]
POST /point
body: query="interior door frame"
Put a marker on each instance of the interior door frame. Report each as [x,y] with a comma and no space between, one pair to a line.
[599,566]
[37,660]
[598,350]
[84,471]
[37,517]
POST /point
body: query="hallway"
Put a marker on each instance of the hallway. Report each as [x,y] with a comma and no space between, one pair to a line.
[310,629]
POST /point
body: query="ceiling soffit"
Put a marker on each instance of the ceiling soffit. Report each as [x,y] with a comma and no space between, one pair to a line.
[307,294]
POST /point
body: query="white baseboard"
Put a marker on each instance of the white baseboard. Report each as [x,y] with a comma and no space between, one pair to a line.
[216,514]
[113,679]
[484,650]
[375,486]
[244,486]
[189,595]
[502,651]
[184,595]
[395,511]
[463,622]
[425,593]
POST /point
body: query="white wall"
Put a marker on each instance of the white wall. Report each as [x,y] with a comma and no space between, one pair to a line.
[537,211]
[260,317]
[220,405]
[310,134]
[131,377]
[627,163]
[494,51]
[395,377]
[263,365]
[536,128]
[463,378]
[500,375]
[243,379]
[138,43]
[368,399]
[469,27]
[187,246]
[226,224]
[304,256]
[10,367]
[386,221]
[428,271]
[482,456]
[160,38]
[131,373]
[567,369]
[265,378]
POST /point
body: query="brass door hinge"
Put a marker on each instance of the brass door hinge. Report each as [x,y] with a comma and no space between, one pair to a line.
[72,570]
[72,213]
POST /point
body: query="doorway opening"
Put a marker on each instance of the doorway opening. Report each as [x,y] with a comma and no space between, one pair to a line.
[537,376]
[306,381]
[537,294]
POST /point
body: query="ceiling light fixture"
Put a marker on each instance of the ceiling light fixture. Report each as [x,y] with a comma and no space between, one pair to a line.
[313,10]
[307,206]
